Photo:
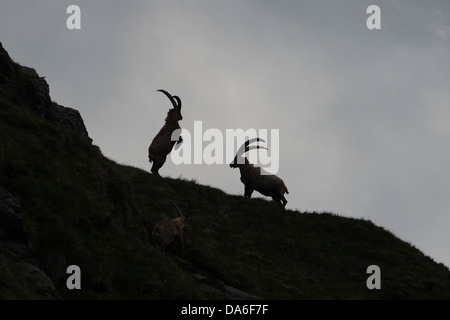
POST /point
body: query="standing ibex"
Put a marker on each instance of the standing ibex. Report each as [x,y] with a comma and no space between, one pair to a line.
[162,144]
[266,184]
[164,232]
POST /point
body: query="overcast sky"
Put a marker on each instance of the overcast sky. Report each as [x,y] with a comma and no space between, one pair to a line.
[363,115]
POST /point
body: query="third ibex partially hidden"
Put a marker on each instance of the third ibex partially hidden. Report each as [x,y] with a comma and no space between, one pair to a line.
[162,144]
[267,184]
[165,232]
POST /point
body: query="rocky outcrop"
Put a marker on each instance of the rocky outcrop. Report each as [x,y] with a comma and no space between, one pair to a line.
[24,87]
[12,233]
[17,259]
[69,118]
[5,64]
[32,91]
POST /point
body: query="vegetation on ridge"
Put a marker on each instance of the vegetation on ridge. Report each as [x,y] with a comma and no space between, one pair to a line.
[81,208]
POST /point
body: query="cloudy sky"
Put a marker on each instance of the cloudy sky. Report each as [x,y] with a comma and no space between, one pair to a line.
[363,115]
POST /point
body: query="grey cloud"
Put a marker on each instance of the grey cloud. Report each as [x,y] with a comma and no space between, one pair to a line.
[362,114]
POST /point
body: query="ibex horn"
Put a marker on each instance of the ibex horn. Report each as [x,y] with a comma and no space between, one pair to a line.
[174,104]
[178,102]
[178,209]
[244,148]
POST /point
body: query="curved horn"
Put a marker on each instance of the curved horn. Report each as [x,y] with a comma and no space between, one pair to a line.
[255,147]
[244,148]
[174,104]
[178,209]
[178,102]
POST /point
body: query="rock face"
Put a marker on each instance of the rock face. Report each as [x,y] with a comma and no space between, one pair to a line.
[70,118]
[33,92]
[28,89]
[18,257]
[11,226]
[5,64]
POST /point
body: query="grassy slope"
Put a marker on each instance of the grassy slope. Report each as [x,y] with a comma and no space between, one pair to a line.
[98,214]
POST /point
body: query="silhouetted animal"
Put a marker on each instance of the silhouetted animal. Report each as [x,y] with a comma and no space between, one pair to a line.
[165,232]
[162,144]
[267,184]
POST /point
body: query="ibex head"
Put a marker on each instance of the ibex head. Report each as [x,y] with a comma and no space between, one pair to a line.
[237,162]
[181,216]
[175,113]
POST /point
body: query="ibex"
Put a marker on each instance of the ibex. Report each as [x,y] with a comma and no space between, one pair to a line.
[267,184]
[162,144]
[164,232]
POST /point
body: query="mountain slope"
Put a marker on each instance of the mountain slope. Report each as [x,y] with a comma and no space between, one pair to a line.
[63,203]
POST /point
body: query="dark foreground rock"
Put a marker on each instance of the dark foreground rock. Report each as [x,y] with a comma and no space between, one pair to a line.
[32,91]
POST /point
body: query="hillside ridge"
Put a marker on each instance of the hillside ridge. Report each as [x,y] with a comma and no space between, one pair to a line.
[63,203]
